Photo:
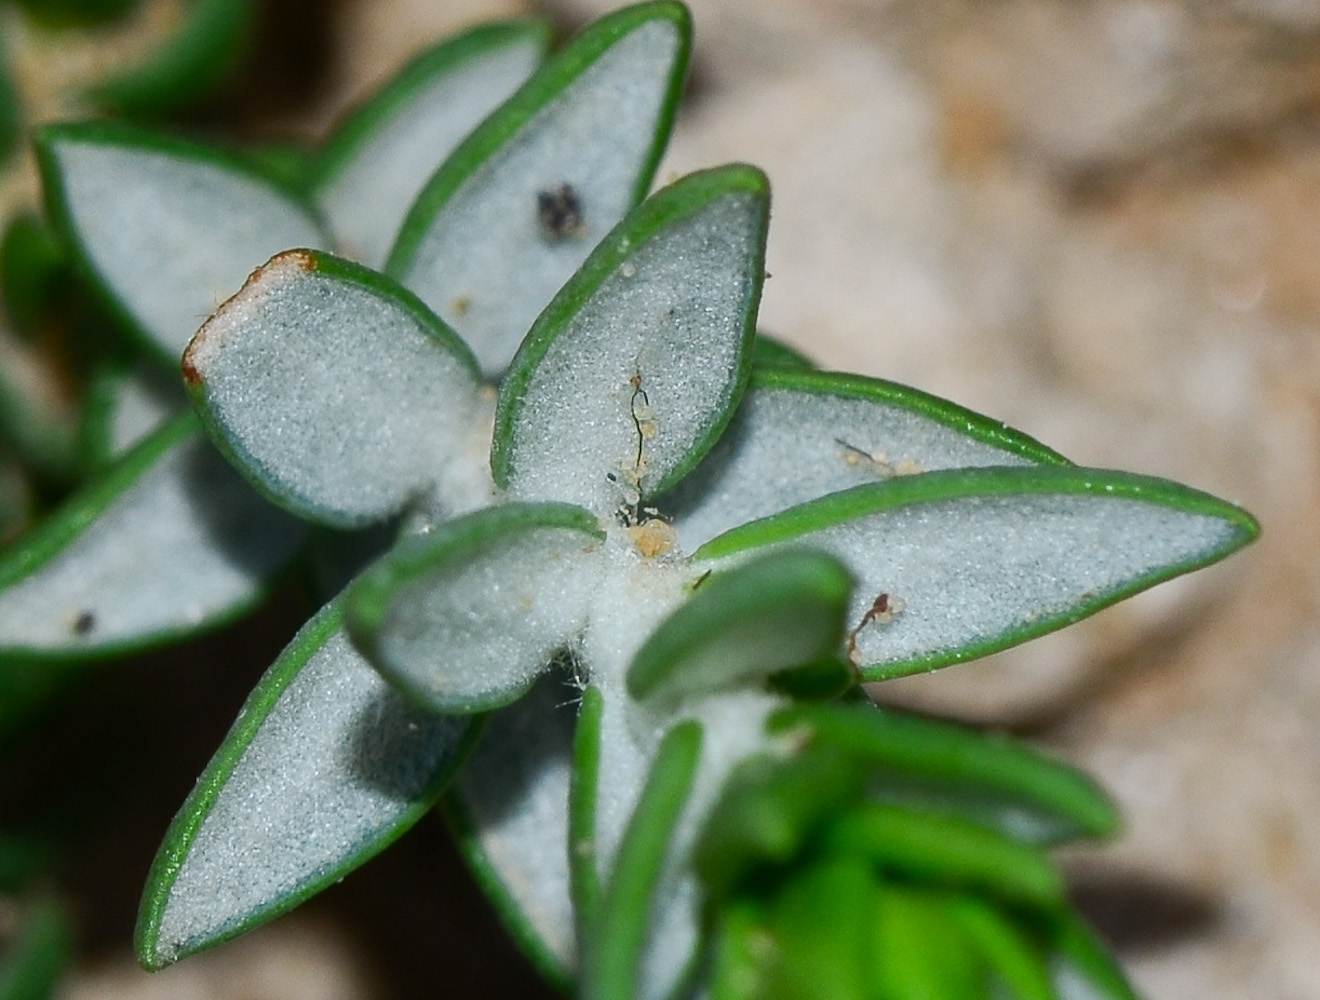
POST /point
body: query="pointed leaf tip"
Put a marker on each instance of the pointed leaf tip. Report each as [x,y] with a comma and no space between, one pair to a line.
[379,159]
[964,562]
[324,767]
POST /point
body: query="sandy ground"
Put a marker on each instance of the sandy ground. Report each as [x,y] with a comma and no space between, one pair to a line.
[1096,221]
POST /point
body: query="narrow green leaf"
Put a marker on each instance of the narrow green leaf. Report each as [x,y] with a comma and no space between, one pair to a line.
[937,765]
[799,434]
[947,851]
[498,591]
[769,811]
[775,612]
[613,954]
[167,541]
[325,766]
[966,562]
[583,792]
[1014,960]
[820,933]
[61,14]
[1080,967]
[739,940]
[166,230]
[509,807]
[632,372]
[338,394]
[918,951]
[377,161]
[33,269]
[191,63]
[553,170]
[11,115]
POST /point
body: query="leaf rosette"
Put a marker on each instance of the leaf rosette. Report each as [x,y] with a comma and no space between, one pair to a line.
[882,531]
[688,538]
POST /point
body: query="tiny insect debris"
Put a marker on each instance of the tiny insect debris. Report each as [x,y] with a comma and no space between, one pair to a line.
[877,461]
[883,610]
[629,479]
[559,211]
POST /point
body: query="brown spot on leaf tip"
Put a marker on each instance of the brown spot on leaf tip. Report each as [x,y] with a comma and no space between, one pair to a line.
[191,376]
[304,260]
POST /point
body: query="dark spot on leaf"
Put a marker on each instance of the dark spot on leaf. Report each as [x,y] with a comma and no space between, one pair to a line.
[83,623]
[559,211]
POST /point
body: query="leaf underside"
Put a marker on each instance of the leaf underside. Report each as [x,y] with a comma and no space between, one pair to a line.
[509,805]
[379,160]
[335,391]
[325,766]
[957,564]
[168,231]
[802,434]
[170,541]
[544,178]
[499,591]
[633,370]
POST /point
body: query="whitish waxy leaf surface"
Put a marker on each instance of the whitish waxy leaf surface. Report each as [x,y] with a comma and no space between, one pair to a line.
[170,540]
[509,805]
[545,178]
[380,158]
[325,766]
[781,610]
[337,392]
[798,435]
[957,564]
[465,618]
[168,230]
[634,369]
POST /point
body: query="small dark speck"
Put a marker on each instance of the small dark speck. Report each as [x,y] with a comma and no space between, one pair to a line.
[559,212]
[83,623]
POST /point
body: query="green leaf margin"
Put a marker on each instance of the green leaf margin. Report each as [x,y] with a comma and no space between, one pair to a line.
[969,423]
[947,755]
[612,962]
[777,583]
[362,124]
